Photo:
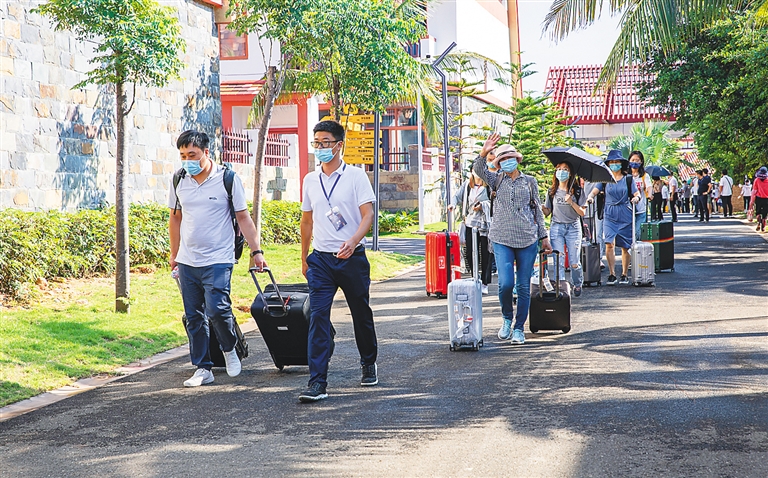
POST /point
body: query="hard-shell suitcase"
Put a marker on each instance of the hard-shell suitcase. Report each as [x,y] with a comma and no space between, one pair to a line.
[661,234]
[465,308]
[643,268]
[590,257]
[214,350]
[550,310]
[282,316]
[443,262]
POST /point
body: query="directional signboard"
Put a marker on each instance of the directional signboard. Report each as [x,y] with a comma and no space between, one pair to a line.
[358,143]
[360,135]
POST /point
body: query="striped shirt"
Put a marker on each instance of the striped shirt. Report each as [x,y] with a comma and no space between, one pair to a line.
[516,222]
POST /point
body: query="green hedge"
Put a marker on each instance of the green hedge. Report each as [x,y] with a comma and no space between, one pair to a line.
[81,244]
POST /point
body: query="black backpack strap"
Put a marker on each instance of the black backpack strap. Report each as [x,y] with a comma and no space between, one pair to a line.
[177,177]
[229,179]
[629,188]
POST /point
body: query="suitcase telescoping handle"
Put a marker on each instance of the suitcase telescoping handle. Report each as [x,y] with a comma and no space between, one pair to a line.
[475,249]
[542,262]
[283,306]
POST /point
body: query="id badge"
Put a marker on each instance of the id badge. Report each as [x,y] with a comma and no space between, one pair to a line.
[336,218]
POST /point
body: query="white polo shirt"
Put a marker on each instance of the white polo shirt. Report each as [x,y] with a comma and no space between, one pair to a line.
[207,235]
[727,183]
[352,191]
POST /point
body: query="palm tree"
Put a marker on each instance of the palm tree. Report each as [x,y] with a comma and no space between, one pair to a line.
[655,143]
[647,26]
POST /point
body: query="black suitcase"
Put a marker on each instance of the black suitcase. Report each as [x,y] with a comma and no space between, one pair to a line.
[282,316]
[214,351]
[590,256]
[662,235]
[550,310]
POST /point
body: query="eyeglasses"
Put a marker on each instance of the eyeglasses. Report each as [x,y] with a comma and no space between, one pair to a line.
[323,144]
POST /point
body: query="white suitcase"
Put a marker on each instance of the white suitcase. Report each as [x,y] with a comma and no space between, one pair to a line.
[643,265]
[465,308]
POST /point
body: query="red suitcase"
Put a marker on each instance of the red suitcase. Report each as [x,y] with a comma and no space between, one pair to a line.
[442,268]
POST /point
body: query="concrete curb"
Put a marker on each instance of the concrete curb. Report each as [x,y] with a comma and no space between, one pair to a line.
[84,384]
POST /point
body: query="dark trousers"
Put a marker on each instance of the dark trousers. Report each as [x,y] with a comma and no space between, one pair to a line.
[484,254]
[673,207]
[695,200]
[656,207]
[746,202]
[205,292]
[727,206]
[686,204]
[325,275]
[703,199]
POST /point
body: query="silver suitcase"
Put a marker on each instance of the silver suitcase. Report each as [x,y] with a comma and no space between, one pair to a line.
[465,308]
[643,264]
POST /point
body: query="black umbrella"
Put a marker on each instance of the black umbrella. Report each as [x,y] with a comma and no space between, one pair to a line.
[657,171]
[585,165]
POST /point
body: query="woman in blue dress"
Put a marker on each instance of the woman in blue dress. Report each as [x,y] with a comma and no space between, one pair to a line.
[617,222]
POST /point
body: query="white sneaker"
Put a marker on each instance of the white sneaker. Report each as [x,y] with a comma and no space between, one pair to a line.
[201,377]
[233,363]
[518,337]
[485,290]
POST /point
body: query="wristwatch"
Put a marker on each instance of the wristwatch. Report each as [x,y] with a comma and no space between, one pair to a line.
[257,251]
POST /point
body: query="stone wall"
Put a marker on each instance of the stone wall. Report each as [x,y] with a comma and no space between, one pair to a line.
[57,149]
[400,191]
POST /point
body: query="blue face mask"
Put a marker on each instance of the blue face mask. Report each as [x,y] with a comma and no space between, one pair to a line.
[615,167]
[634,165]
[193,168]
[508,165]
[324,155]
[562,174]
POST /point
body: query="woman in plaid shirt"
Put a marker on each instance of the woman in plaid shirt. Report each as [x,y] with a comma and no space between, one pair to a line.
[517,226]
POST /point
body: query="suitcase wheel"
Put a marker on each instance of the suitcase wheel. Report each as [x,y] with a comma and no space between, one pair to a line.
[480,343]
[475,347]
[428,294]
[533,331]
[566,330]
[439,295]
[452,348]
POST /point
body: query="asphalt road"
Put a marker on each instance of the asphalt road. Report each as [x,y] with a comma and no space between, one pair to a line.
[666,381]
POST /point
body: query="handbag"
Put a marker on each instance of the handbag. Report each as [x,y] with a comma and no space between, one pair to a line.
[750,215]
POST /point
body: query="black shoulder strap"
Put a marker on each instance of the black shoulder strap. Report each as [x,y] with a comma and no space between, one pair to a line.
[229,179]
[629,187]
[177,177]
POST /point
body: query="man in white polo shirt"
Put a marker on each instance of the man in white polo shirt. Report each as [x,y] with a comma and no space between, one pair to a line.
[337,212]
[203,247]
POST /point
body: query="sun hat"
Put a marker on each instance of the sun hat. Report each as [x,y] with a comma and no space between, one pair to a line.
[504,151]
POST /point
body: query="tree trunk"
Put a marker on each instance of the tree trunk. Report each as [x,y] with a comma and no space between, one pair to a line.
[273,86]
[122,272]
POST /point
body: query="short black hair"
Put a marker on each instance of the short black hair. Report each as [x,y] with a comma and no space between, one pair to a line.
[196,139]
[704,171]
[725,172]
[330,126]
[698,171]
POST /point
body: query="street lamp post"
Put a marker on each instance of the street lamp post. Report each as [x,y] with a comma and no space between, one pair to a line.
[420,152]
[446,137]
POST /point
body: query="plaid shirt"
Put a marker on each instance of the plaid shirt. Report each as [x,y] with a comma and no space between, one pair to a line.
[515,223]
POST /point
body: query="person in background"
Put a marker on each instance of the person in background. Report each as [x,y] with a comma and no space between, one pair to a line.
[695,193]
[664,196]
[687,196]
[620,198]
[598,232]
[726,192]
[565,201]
[656,204]
[643,184]
[703,190]
[760,197]
[746,192]
[714,198]
[473,198]
[674,198]
[516,229]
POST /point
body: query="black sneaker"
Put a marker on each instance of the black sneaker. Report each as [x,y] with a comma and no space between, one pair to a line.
[370,376]
[576,291]
[313,393]
[623,280]
[611,280]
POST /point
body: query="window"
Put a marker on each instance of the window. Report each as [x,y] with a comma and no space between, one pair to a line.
[231,45]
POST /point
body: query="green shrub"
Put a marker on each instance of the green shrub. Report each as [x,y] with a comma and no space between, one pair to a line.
[397,221]
[280,222]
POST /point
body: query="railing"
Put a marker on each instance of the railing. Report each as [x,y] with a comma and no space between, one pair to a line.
[397,160]
[276,153]
[237,147]
[428,165]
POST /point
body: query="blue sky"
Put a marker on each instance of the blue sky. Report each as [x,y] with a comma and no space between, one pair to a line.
[585,47]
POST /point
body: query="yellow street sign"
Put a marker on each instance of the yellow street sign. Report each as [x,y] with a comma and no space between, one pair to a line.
[360,135]
[358,159]
[359,151]
[350,109]
[361,118]
[359,143]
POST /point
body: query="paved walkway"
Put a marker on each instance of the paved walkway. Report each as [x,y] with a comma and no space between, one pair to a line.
[668,381]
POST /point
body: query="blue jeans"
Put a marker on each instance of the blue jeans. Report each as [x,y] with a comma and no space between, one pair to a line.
[205,292]
[568,235]
[505,258]
[640,218]
[325,275]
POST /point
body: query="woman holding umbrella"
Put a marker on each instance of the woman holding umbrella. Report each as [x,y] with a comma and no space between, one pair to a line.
[515,231]
[565,201]
[619,210]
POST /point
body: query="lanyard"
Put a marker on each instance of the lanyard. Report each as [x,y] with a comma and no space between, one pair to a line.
[327,195]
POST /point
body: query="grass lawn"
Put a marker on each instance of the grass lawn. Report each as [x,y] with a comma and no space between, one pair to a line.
[72,331]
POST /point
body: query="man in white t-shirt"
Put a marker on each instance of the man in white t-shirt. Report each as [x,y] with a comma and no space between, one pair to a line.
[203,249]
[726,192]
[673,197]
[337,212]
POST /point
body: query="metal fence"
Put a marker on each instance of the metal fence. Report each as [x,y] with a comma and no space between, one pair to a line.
[237,146]
[276,153]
